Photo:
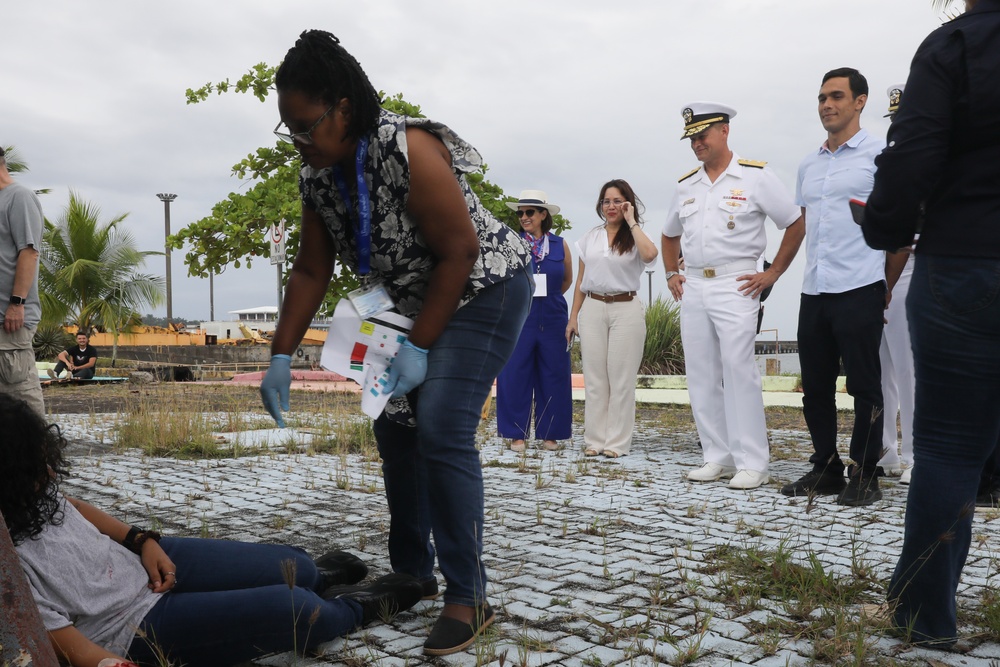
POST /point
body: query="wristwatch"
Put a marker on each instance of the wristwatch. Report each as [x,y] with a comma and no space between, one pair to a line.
[671,274]
[17,300]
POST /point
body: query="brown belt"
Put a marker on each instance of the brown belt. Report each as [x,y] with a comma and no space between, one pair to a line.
[612,298]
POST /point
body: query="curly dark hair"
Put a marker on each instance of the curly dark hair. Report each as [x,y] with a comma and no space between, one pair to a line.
[319,67]
[623,241]
[33,466]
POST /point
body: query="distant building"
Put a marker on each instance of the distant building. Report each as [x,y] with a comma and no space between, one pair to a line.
[262,319]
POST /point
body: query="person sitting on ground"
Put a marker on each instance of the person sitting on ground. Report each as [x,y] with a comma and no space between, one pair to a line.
[106,590]
[80,359]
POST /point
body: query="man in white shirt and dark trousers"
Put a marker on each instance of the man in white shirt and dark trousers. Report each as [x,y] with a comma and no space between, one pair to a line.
[717,218]
[843,297]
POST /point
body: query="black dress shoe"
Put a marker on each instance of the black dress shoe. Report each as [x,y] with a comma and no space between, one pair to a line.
[861,490]
[383,598]
[340,567]
[879,471]
[450,635]
[988,499]
[821,483]
[430,586]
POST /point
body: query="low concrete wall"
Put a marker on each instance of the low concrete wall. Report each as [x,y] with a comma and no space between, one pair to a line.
[768,382]
[207,355]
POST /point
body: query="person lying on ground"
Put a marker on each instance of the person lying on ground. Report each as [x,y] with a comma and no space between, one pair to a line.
[108,590]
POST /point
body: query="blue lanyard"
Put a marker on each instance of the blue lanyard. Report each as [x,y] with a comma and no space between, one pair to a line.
[363,224]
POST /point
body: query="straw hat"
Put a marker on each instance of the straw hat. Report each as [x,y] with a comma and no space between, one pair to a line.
[533,198]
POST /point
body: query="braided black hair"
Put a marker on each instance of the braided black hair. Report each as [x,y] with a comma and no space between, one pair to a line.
[319,67]
[33,465]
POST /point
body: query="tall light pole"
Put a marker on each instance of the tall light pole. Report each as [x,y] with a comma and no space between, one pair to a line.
[166,199]
[649,274]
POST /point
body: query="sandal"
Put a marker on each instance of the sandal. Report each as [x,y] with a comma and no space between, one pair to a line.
[611,454]
[551,445]
[591,452]
[518,446]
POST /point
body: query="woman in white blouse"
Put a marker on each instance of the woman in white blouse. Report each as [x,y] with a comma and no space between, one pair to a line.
[610,318]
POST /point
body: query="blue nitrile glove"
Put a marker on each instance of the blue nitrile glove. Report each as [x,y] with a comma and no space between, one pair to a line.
[275,385]
[408,369]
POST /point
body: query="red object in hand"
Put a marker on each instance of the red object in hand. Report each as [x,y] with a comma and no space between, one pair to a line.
[857,210]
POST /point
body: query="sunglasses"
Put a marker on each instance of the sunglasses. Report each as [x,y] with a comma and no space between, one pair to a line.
[530,212]
[304,138]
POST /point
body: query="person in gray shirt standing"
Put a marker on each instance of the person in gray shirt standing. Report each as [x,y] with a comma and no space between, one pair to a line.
[21,224]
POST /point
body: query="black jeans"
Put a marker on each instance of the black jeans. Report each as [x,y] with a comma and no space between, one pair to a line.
[82,373]
[834,327]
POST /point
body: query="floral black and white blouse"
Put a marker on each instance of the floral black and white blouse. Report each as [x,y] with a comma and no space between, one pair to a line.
[399,253]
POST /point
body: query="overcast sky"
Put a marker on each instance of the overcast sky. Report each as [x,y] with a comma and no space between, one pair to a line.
[557,95]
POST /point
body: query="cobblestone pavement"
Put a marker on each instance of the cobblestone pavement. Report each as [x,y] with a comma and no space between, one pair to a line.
[592,562]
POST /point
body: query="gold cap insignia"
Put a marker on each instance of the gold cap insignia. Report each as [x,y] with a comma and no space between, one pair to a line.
[688,114]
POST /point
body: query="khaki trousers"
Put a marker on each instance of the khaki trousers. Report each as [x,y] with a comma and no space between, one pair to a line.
[612,336]
[18,376]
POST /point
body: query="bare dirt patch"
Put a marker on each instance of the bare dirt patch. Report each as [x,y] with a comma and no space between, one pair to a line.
[182,396]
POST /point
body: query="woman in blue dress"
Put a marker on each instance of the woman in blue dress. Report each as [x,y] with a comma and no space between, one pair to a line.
[538,373]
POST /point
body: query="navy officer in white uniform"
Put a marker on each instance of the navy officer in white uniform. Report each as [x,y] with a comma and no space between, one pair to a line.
[717,220]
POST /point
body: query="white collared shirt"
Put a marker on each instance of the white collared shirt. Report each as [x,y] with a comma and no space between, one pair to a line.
[837,257]
[723,222]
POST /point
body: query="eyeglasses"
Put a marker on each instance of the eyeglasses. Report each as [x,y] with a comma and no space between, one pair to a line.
[529,212]
[304,138]
[612,202]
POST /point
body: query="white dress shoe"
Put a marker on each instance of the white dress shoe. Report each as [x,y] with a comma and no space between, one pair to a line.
[711,472]
[748,479]
[905,477]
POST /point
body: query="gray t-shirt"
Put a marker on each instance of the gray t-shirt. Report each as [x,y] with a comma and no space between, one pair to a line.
[81,577]
[21,224]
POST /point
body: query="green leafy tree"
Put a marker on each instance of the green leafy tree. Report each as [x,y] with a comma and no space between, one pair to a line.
[236,232]
[89,272]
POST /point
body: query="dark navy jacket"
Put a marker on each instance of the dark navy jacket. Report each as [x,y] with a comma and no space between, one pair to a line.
[943,147]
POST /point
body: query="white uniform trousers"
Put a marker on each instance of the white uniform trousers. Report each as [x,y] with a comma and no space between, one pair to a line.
[896,355]
[612,336]
[718,329]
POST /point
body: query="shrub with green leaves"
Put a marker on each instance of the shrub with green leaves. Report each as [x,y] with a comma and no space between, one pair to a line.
[663,353]
[50,340]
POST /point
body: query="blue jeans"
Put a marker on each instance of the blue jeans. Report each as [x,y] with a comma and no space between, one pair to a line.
[232,604]
[433,476]
[954,312]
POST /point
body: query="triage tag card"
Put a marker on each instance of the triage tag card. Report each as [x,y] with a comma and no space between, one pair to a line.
[371,300]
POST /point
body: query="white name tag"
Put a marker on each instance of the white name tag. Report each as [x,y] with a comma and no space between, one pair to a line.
[541,285]
[371,300]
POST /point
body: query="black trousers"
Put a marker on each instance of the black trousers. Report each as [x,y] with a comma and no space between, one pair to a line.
[848,327]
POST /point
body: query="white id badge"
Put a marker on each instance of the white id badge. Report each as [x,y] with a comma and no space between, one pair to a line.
[370,300]
[541,285]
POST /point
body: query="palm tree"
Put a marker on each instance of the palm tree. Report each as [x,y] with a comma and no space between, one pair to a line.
[89,271]
[14,162]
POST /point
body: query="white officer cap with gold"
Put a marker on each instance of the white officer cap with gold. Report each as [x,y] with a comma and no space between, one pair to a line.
[699,115]
[895,94]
